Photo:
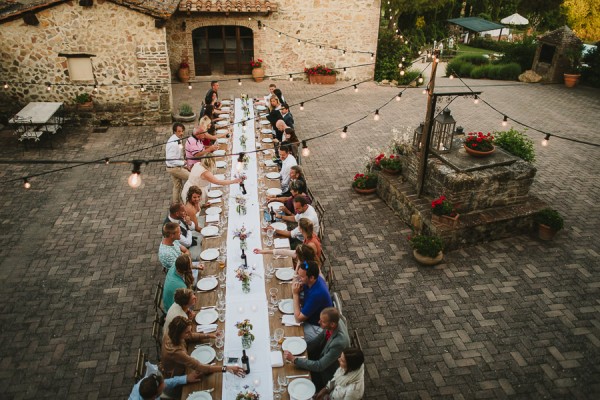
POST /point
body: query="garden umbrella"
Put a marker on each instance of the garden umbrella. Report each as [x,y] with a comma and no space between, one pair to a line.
[515,19]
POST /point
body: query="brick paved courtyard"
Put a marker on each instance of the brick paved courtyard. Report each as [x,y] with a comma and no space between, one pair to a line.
[513,318]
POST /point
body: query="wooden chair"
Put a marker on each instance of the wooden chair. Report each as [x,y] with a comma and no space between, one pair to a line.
[337,302]
[158,307]
[310,194]
[140,366]
[157,329]
[355,340]
[330,278]
[319,209]
[321,232]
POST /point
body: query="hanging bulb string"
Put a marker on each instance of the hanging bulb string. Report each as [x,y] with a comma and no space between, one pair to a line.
[503,114]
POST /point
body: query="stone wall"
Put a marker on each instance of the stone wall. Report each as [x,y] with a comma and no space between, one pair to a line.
[128,50]
[350,24]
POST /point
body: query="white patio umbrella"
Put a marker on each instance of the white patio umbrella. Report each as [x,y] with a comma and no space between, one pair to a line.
[515,19]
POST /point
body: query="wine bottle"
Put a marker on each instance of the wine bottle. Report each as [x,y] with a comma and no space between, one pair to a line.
[272,215]
[245,362]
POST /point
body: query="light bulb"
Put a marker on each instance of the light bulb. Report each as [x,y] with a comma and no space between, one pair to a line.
[301,106]
[344,71]
[6,85]
[143,89]
[398,96]
[239,82]
[279,35]
[49,88]
[355,89]
[298,41]
[320,48]
[376,116]
[451,76]
[403,58]
[344,52]
[420,80]
[400,65]
[291,78]
[505,121]
[372,56]
[476,100]
[402,72]
[545,141]
[95,88]
[26,184]
[343,135]
[305,150]
[135,180]
[424,91]
[190,86]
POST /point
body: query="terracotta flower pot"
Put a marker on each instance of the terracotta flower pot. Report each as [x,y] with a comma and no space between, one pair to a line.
[258,74]
[445,220]
[365,191]
[184,74]
[424,260]
[571,80]
[476,153]
[545,232]
[322,79]
[392,171]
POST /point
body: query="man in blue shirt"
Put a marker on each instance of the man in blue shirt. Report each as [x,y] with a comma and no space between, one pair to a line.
[154,385]
[316,298]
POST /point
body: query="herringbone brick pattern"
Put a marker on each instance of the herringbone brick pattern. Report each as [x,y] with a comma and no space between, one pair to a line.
[513,318]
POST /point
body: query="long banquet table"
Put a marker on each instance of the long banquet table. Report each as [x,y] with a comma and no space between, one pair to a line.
[252,305]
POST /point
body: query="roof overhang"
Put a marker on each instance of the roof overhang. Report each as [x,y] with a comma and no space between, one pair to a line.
[227,6]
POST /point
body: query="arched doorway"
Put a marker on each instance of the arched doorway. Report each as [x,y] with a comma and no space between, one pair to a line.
[225,49]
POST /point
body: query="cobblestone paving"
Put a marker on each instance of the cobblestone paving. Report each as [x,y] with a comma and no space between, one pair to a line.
[512,318]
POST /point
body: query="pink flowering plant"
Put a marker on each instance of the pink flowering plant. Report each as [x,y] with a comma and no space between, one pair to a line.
[245,328]
[479,141]
[320,70]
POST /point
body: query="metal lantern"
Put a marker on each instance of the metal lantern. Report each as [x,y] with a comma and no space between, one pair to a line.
[443,132]
[417,135]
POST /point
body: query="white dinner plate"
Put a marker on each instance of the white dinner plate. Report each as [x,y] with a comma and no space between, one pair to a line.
[221,123]
[261,108]
[286,306]
[199,396]
[270,163]
[209,254]
[301,389]
[266,131]
[267,140]
[213,210]
[222,140]
[265,123]
[225,108]
[295,345]
[209,230]
[285,274]
[279,226]
[225,101]
[273,192]
[263,115]
[208,316]
[207,283]
[204,354]
[221,164]
[223,115]
[273,175]
[213,194]
[275,206]
[221,130]
[220,177]
[219,153]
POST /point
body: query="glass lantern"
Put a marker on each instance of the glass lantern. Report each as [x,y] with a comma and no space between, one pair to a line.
[443,132]
[417,135]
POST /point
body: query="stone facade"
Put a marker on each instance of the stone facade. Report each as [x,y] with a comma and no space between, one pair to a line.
[349,24]
[128,51]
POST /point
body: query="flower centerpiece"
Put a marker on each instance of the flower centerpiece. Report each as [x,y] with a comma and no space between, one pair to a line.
[247,394]
[443,211]
[245,276]
[391,165]
[242,233]
[321,74]
[427,249]
[240,207]
[245,331]
[258,73]
[243,139]
[479,144]
[365,183]
[246,161]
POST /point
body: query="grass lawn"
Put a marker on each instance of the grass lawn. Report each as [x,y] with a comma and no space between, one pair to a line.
[464,49]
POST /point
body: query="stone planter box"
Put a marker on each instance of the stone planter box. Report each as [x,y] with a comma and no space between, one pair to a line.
[187,118]
[322,79]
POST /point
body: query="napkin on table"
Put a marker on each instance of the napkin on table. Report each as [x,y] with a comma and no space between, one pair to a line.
[282,243]
[276,359]
[206,328]
[289,320]
[214,201]
[212,218]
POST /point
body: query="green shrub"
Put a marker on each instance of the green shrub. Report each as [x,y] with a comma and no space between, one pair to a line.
[426,245]
[185,110]
[390,51]
[479,72]
[408,77]
[550,217]
[454,66]
[521,53]
[509,71]
[83,98]
[590,73]
[476,59]
[516,143]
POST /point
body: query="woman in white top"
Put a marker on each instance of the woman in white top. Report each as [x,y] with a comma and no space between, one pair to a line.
[185,299]
[201,175]
[348,383]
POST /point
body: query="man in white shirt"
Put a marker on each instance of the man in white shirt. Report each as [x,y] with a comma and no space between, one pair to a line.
[175,163]
[303,210]
[178,215]
[288,161]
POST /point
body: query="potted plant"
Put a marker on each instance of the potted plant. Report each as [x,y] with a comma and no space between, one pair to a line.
[258,73]
[84,101]
[479,144]
[549,222]
[427,249]
[572,73]
[365,183]
[184,71]
[443,212]
[391,165]
[321,74]
[185,113]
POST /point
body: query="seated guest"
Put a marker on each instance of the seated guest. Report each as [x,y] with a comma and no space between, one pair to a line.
[280,128]
[325,349]
[289,135]
[201,175]
[288,118]
[266,99]
[274,113]
[316,298]
[153,386]
[297,188]
[216,103]
[288,161]
[277,92]
[348,382]
[193,205]
[185,300]
[180,277]
[206,124]
[170,248]
[296,176]
[212,92]
[178,215]
[194,145]
[303,210]
[175,358]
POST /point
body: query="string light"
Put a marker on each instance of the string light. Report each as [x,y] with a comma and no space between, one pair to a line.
[355,88]
[344,52]
[107,161]
[403,58]
[451,76]
[398,96]
[26,183]
[279,34]
[545,141]
[291,78]
[190,86]
[372,56]
[402,72]
[135,180]
[320,48]
[302,106]
[344,133]
[305,150]
[376,116]
[142,88]
[420,80]
[239,82]
[344,70]
[505,121]
[424,91]
[400,65]
[476,100]
[298,41]
[95,88]
[5,85]
[49,88]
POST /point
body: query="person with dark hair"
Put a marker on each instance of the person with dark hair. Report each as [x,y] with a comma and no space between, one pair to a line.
[174,159]
[180,277]
[214,88]
[297,188]
[288,161]
[302,210]
[178,215]
[170,248]
[288,118]
[316,298]
[185,300]
[193,205]
[325,349]
[277,92]
[289,135]
[348,382]
[153,386]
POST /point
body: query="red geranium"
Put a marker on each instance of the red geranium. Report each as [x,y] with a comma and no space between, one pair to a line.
[479,141]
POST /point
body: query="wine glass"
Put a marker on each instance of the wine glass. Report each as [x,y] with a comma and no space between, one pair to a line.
[270,232]
[283,381]
[222,315]
[269,241]
[222,276]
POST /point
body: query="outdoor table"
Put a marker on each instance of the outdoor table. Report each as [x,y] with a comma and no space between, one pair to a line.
[255,303]
[37,118]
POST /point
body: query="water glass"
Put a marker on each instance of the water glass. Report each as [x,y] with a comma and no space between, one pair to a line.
[269,242]
[222,277]
[219,356]
[220,343]
[222,316]
[270,232]
[283,381]
[274,343]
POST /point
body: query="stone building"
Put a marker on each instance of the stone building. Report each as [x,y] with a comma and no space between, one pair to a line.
[126,53]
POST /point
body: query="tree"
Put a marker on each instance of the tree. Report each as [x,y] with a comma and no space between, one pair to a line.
[583,17]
